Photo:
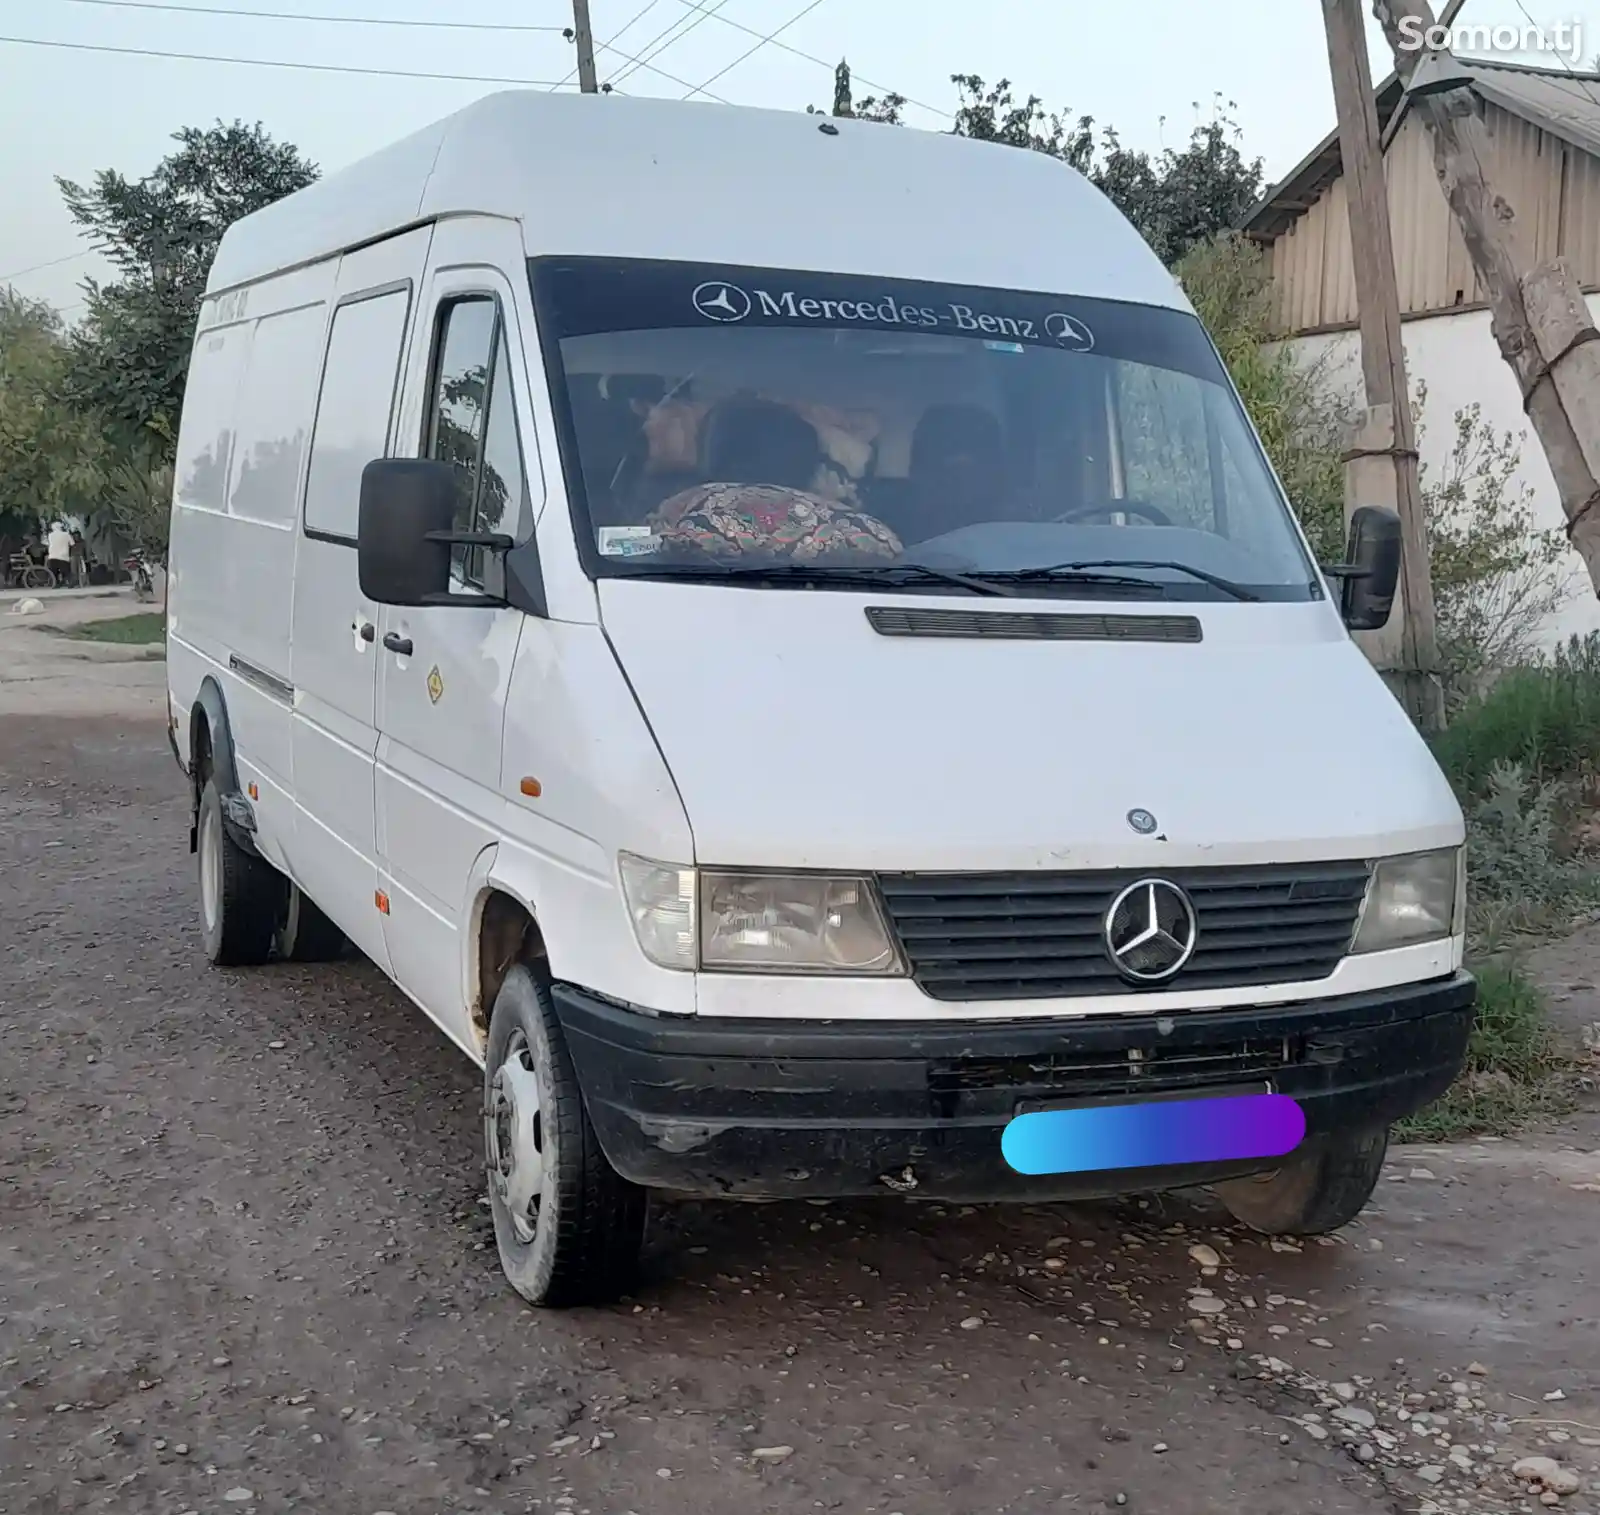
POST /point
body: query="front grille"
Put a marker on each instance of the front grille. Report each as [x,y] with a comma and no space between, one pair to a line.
[1001,936]
[1085,1075]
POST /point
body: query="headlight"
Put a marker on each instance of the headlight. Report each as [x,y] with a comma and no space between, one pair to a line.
[756,922]
[1412,899]
[793,923]
[661,903]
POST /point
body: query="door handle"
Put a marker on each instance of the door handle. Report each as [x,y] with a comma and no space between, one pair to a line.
[366,631]
[394,642]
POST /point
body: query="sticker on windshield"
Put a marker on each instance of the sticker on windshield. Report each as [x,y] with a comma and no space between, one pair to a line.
[1068,332]
[627,541]
[727,303]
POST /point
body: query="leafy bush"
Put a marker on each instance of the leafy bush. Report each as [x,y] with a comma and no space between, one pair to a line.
[1521,876]
[1497,577]
[1544,718]
[1512,1065]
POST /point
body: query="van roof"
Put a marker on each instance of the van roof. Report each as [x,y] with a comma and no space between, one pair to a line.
[628,176]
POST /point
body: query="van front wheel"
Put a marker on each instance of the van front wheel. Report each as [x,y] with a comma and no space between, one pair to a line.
[568,1227]
[1322,1187]
[239,892]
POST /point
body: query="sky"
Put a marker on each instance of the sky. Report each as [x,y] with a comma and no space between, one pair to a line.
[1153,71]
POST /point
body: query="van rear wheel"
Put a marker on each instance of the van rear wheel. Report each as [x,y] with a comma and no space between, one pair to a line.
[305,934]
[239,892]
[568,1227]
[1322,1187]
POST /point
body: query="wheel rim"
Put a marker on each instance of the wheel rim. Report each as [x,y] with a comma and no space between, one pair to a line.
[514,1135]
[210,867]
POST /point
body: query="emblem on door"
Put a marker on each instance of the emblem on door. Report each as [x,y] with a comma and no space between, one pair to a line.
[435,684]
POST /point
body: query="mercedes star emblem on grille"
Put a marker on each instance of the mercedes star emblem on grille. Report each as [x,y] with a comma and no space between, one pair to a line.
[1151,931]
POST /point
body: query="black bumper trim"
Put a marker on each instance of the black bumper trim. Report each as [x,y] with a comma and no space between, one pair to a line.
[771,1109]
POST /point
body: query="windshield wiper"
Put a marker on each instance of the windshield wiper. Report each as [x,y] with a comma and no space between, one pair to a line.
[866,574]
[1074,570]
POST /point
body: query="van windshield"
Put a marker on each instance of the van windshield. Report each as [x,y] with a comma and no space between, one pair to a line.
[801,428]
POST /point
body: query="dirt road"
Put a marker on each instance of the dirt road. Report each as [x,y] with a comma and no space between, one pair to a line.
[43,672]
[244,1265]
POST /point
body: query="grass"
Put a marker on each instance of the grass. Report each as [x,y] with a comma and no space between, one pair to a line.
[144,629]
[1523,758]
[1515,1072]
[1543,719]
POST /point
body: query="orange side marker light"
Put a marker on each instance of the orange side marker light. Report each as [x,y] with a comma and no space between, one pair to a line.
[381,900]
[532,788]
[255,793]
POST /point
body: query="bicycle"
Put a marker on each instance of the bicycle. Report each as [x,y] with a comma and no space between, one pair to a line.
[26,574]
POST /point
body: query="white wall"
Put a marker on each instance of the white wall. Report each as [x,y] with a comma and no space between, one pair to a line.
[1456,357]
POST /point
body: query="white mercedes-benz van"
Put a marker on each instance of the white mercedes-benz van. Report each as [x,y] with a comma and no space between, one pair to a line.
[778,635]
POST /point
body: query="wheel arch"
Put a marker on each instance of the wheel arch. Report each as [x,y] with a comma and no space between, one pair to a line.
[502,931]
[211,755]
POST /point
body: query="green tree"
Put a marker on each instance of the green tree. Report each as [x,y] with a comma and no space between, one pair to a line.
[1299,410]
[1177,199]
[161,232]
[135,502]
[48,448]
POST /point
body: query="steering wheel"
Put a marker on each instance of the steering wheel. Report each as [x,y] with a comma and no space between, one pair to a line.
[1106,507]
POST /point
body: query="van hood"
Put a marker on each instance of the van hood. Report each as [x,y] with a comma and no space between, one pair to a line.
[801,737]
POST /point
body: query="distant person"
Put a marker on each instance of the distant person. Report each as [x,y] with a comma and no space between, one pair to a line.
[80,560]
[58,552]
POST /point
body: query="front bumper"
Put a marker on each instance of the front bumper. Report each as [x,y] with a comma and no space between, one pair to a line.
[784,1109]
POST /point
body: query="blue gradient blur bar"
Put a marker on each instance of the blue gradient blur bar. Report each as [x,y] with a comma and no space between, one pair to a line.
[1097,1138]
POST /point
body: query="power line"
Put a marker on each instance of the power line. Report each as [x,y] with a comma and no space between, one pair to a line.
[320,68]
[638,16]
[673,34]
[253,15]
[651,68]
[394,21]
[750,52]
[1588,94]
[40,267]
[798,52]
[401,22]
[698,8]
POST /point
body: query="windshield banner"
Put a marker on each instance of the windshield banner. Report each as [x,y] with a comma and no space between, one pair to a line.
[583,296]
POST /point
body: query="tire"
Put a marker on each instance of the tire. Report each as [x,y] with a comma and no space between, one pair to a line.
[240,894]
[1322,1187]
[38,578]
[304,934]
[578,1240]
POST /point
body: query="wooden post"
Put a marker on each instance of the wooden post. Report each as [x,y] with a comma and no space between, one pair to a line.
[1540,318]
[583,36]
[1408,655]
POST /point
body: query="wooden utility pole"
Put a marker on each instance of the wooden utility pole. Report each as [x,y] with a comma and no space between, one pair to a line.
[1540,318]
[1381,463]
[583,36]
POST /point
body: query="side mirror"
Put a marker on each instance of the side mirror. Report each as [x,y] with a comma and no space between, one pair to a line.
[1372,573]
[404,533]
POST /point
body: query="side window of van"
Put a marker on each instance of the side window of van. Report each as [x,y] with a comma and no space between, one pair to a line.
[352,427]
[472,424]
[275,406]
